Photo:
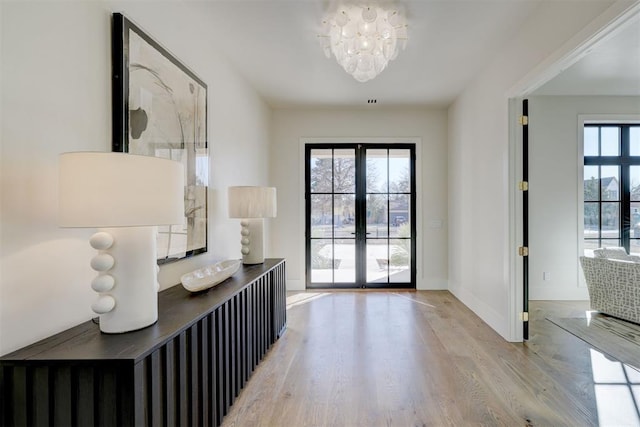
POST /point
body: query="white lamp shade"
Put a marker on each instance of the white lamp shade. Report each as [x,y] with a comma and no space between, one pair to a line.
[119,190]
[252,202]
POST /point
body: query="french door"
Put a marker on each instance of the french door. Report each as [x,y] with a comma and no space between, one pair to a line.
[360,215]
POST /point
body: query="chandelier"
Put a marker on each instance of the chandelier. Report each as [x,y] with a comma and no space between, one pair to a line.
[364,38]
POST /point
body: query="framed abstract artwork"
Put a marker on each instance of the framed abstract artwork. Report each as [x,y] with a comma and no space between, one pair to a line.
[160,109]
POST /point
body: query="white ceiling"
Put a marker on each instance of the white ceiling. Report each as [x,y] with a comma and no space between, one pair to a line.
[274,45]
[612,67]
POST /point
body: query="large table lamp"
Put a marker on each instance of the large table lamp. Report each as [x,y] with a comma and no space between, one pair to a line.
[126,197]
[252,205]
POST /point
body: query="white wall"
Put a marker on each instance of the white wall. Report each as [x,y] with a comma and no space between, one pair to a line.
[554,203]
[480,191]
[426,125]
[56,97]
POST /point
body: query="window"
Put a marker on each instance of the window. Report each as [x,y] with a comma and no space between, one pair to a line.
[612,186]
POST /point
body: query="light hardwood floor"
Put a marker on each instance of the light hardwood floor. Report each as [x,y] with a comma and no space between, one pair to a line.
[417,359]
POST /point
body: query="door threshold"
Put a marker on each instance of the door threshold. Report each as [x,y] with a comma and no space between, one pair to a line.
[361,289]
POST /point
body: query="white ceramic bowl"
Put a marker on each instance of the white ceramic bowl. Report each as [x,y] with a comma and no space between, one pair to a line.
[210,276]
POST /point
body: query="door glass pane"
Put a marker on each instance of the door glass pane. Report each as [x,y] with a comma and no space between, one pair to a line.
[634,216]
[321,261]
[634,182]
[589,245]
[376,170]
[634,209]
[610,141]
[377,260]
[344,171]
[610,182]
[634,141]
[321,215]
[610,243]
[591,179]
[591,219]
[345,261]
[610,220]
[400,260]
[399,215]
[377,215]
[591,141]
[321,162]
[399,163]
[634,233]
[344,209]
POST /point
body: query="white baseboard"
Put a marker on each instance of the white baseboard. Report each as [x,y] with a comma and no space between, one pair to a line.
[552,293]
[432,285]
[295,285]
[490,316]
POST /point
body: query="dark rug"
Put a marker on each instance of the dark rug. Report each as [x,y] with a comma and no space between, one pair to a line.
[618,338]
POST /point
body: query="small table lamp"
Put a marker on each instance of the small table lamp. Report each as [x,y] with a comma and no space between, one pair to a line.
[126,196]
[252,204]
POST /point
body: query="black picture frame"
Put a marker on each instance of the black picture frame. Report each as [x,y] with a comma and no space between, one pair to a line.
[160,109]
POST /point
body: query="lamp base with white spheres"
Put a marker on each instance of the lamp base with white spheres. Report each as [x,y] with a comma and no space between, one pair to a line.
[127,280]
[252,240]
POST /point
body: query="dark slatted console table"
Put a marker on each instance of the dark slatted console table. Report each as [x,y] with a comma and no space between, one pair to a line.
[185,370]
